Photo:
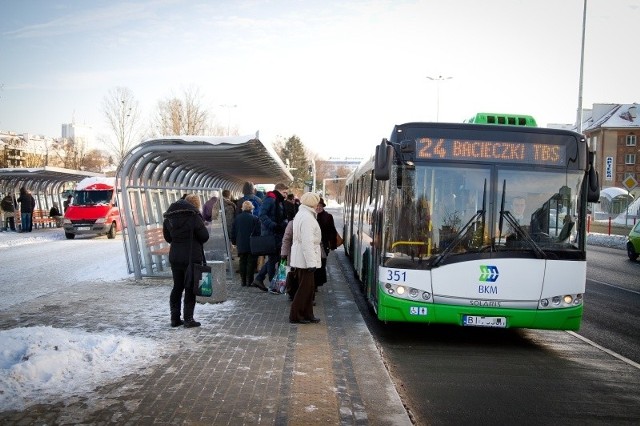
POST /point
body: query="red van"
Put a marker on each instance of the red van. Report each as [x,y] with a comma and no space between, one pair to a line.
[94,209]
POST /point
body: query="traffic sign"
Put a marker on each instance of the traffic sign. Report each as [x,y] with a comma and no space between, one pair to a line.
[630,182]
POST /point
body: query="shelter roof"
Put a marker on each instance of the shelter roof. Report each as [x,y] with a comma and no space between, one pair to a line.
[45,175]
[173,160]
[613,192]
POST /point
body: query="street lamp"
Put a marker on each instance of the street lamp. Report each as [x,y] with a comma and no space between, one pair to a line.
[438,79]
[228,107]
[579,117]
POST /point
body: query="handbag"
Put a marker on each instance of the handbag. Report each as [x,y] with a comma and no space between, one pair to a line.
[279,282]
[198,276]
[201,279]
[339,240]
[262,244]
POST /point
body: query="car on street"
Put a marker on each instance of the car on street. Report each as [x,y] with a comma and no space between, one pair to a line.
[633,244]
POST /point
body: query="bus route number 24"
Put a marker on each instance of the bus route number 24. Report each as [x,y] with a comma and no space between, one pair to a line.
[396,276]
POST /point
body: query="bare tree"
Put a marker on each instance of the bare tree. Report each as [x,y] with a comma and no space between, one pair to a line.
[182,116]
[122,113]
[95,161]
[69,153]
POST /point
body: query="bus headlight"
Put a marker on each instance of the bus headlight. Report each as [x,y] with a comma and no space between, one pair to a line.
[405,292]
[563,301]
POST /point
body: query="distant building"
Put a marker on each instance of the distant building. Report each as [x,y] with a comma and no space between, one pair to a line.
[613,131]
[79,133]
[337,163]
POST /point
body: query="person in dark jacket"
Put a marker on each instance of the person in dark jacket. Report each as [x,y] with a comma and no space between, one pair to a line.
[184,229]
[244,226]
[329,238]
[8,206]
[27,206]
[54,213]
[290,206]
[248,191]
[273,221]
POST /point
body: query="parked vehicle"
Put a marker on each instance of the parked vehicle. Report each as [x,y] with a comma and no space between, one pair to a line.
[633,245]
[94,209]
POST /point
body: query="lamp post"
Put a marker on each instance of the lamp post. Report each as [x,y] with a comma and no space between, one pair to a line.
[438,79]
[579,117]
[228,107]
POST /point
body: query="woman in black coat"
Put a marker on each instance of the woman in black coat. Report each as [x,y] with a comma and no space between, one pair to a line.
[329,236]
[244,226]
[184,229]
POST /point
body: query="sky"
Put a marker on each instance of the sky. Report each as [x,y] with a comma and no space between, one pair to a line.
[338,74]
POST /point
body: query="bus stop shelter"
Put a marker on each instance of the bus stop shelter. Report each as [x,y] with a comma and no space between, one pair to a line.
[45,183]
[158,172]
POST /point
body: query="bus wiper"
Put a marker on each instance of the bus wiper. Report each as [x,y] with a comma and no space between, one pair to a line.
[463,232]
[513,223]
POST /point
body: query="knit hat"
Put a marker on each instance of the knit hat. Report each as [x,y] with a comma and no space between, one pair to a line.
[310,199]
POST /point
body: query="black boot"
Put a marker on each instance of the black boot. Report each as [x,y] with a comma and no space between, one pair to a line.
[191,323]
[176,322]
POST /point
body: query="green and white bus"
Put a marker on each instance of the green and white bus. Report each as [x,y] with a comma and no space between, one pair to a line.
[473,224]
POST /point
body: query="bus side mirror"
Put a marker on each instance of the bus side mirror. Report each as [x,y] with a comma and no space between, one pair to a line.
[383,160]
[593,181]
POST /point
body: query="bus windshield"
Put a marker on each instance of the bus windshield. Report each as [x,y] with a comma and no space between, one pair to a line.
[456,210]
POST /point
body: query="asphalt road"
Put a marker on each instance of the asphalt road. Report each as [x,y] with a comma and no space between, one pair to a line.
[612,302]
[453,375]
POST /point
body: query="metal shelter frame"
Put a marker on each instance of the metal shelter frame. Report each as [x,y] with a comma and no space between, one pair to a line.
[45,183]
[158,172]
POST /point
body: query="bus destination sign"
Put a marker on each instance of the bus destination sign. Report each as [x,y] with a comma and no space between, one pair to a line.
[511,152]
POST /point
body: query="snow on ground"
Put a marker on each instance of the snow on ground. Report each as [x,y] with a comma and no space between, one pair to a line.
[84,321]
[43,270]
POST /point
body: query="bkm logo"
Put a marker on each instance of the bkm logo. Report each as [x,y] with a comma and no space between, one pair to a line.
[488,273]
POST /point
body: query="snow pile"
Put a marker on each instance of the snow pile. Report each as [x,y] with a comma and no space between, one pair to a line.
[38,364]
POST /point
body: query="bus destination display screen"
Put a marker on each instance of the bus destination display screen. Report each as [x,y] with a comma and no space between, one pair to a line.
[501,151]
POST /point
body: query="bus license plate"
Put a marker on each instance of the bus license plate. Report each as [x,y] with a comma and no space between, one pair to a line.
[476,321]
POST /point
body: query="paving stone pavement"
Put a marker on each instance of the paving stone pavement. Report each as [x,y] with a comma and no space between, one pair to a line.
[246,365]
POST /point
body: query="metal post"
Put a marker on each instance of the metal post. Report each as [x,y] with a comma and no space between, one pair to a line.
[584,26]
[438,79]
[313,164]
[228,107]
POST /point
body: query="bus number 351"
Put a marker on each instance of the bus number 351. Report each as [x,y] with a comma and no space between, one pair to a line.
[396,276]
